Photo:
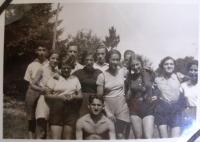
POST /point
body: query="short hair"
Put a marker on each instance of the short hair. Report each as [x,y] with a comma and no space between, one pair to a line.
[136,57]
[69,60]
[128,52]
[51,52]
[193,62]
[92,97]
[163,61]
[86,54]
[101,46]
[113,51]
[72,43]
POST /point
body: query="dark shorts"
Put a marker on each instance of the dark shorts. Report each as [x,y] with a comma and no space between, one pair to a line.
[62,113]
[31,99]
[167,114]
[140,107]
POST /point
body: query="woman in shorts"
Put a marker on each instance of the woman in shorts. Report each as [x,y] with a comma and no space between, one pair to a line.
[40,84]
[87,77]
[170,105]
[64,101]
[111,86]
[140,99]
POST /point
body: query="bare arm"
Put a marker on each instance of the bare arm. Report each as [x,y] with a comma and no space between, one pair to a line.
[36,81]
[100,90]
[112,134]
[79,131]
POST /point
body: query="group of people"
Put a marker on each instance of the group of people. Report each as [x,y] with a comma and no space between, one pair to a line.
[105,98]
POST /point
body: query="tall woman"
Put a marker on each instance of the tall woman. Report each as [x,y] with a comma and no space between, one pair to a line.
[170,105]
[64,101]
[87,77]
[139,84]
[39,83]
[111,86]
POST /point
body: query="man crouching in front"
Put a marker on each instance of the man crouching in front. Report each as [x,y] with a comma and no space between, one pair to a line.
[95,125]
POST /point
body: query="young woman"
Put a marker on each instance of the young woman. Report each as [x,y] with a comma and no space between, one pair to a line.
[190,91]
[169,108]
[32,95]
[140,99]
[64,101]
[39,84]
[87,77]
[111,86]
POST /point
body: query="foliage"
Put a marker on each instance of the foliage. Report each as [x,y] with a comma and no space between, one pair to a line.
[182,63]
[112,40]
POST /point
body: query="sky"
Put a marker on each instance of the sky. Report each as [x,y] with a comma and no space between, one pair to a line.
[155,30]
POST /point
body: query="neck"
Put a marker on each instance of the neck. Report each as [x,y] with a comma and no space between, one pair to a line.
[167,75]
[41,60]
[113,71]
[96,118]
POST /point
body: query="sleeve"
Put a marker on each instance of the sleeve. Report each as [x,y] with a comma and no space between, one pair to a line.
[78,85]
[100,80]
[28,74]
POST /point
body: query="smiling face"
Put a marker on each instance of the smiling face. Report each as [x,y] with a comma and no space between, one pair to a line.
[114,61]
[136,66]
[53,60]
[96,107]
[72,50]
[169,66]
[89,61]
[193,72]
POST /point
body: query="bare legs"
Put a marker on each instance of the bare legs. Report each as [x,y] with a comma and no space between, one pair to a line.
[163,130]
[60,132]
[143,126]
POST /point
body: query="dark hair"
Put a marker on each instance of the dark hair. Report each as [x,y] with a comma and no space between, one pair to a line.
[136,57]
[161,69]
[92,97]
[113,51]
[69,60]
[127,52]
[101,46]
[86,54]
[72,44]
[193,62]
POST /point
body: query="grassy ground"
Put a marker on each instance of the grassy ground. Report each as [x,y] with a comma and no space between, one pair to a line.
[14,119]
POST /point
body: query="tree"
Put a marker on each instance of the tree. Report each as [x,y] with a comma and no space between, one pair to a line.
[27,26]
[112,40]
[86,41]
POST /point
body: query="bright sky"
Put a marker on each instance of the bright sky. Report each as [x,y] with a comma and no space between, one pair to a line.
[152,29]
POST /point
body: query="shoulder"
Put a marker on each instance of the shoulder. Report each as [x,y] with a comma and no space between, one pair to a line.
[82,120]
[73,77]
[109,123]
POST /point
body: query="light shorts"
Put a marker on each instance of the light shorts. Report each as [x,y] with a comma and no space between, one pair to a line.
[42,109]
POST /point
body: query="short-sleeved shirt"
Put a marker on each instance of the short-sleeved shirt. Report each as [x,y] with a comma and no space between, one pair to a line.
[113,85]
[88,79]
[102,68]
[78,66]
[69,85]
[32,69]
[191,92]
[169,87]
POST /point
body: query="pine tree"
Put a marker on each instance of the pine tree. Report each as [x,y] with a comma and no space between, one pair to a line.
[112,40]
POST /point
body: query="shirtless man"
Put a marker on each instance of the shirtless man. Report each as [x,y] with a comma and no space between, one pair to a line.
[95,125]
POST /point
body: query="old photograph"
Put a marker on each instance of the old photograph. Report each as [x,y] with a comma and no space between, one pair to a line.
[100,71]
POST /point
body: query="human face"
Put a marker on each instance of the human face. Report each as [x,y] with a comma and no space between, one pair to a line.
[136,66]
[65,70]
[126,59]
[53,60]
[73,50]
[89,61]
[169,66]
[193,73]
[41,52]
[96,107]
[101,54]
[114,61]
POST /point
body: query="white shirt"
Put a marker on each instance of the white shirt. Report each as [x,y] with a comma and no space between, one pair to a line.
[102,68]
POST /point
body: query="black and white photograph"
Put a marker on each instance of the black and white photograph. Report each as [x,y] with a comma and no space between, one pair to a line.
[91,70]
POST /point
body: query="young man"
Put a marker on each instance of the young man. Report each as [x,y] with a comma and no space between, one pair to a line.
[73,51]
[95,125]
[101,64]
[31,95]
